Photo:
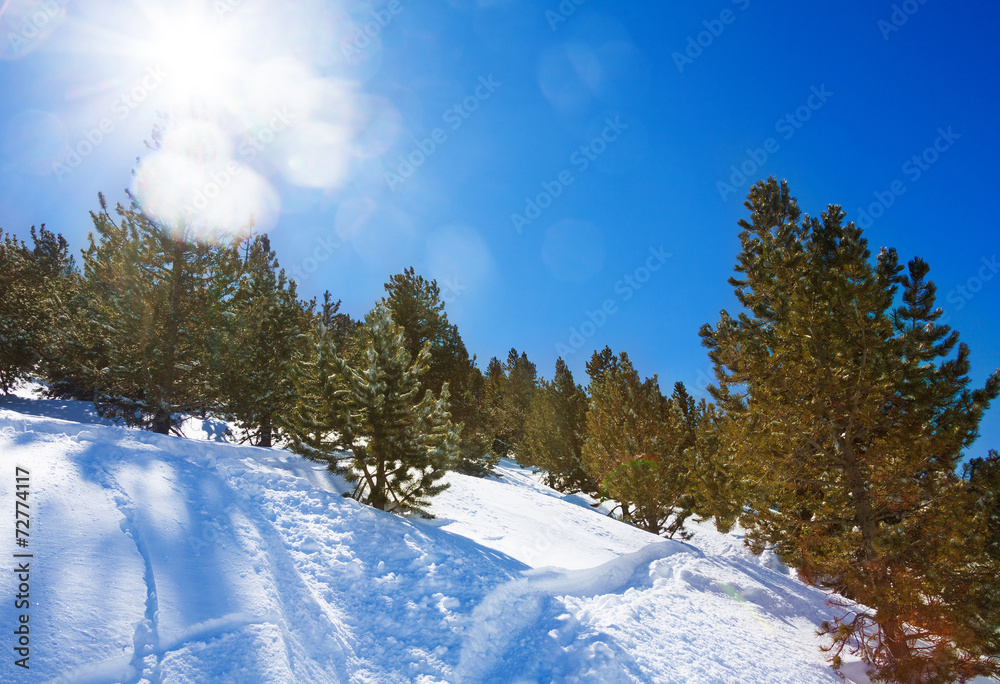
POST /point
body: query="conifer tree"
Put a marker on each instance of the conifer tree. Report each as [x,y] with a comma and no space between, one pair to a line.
[509,388]
[554,432]
[314,426]
[636,445]
[368,422]
[266,324]
[417,307]
[849,411]
[33,282]
[491,411]
[344,331]
[156,299]
[716,483]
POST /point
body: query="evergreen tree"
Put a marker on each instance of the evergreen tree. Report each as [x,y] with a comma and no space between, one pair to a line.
[716,484]
[417,307]
[344,331]
[264,337]
[635,445]
[491,411]
[983,479]
[156,299]
[368,422]
[333,340]
[850,417]
[33,281]
[314,426]
[509,388]
[554,432]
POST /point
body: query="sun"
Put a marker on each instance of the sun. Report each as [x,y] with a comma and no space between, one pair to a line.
[201,54]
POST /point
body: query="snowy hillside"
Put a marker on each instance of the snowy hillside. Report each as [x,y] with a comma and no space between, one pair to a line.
[164,559]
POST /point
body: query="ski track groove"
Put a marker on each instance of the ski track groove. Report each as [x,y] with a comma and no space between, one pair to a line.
[146,640]
[147,635]
[293,591]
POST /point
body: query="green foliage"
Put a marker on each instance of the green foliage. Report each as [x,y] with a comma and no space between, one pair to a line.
[156,301]
[716,483]
[321,403]
[417,307]
[33,281]
[368,422]
[265,327]
[507,400]
[554,432]
[849,413]
[636,445]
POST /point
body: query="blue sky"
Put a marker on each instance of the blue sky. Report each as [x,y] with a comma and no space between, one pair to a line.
[571,173]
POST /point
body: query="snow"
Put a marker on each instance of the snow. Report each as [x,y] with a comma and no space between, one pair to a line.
[165,559]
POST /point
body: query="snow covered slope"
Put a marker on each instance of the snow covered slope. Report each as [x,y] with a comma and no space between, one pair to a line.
[163,559]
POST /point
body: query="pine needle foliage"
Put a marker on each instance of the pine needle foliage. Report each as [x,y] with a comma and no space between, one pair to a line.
[636,445]
[369,422]
[848,408]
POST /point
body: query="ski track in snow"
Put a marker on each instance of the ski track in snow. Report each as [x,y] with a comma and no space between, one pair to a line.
[163,560]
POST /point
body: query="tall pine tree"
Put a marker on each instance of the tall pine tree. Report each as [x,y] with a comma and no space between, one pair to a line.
[508,391]
[156,301]
[370,423]
[555,430]
[417,307]
[636,445]
[264,336]
[33,282]
[849,410]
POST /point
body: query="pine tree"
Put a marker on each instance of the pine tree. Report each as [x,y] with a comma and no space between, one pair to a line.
[716,483]
[636,445]
[849,414]
[33,281]
[156,300]
[417,307]
[314,426]
[368,422]
[332,342]
[344,331]
[554,433]
[266,325]
[509,388]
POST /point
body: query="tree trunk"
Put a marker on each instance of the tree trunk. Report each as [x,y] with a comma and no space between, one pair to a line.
[265,431]
[379,497]
[898,648]
[165,390]
[161,423]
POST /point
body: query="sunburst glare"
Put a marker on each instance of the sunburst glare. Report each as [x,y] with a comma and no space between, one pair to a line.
[200,52]
[279,112]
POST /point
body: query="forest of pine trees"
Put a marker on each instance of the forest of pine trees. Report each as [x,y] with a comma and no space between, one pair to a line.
[834,434]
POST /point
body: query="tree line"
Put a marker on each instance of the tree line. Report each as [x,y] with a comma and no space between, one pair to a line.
[835,434]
